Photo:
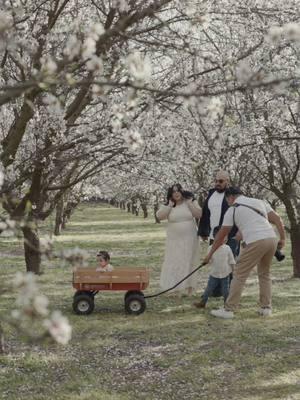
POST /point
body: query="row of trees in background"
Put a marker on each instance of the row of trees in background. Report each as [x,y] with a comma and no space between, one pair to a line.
[124,98]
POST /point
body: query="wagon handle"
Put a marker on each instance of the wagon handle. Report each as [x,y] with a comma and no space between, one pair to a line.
[178,283]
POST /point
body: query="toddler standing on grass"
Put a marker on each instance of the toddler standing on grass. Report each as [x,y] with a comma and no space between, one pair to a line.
[103,258]
[221,266]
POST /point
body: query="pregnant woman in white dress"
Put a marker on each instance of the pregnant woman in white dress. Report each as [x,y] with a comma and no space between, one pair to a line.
[182,241]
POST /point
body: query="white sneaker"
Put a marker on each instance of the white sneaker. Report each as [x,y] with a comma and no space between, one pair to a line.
[222,313]
[265,312]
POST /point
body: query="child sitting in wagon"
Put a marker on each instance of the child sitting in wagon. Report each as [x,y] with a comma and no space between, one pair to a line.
[103,258]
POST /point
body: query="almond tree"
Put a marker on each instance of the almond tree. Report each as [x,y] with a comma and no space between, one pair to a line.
[63,98]
[75,87]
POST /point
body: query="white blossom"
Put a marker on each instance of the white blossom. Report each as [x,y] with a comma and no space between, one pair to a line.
[191,9]
[117,118]
[3,226]
[59,327]
[24,280]
[49,66]
[88,48]
[96,31]
[95,64]
[72,48]
[281,88]
[133,139]
[32,304]
[292,31]
[7,227]
[121,5]
[70,79]
[46,243]
[16,314]
[11,224]
[203,20]
[5,21]
[27,288]
[243,71]
[53,103]
[139,68]
[274,34]
[189,101]
[97,90]
[77,257]
[40,304]
[116,124]
[215,107]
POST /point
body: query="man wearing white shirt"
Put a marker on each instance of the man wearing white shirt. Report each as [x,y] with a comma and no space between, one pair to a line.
[253,218]
[213,212]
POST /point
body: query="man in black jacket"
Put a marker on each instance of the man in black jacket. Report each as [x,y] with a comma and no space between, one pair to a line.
[214,208]
[213,212]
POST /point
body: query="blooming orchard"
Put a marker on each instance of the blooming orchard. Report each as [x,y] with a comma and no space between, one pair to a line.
[141,95]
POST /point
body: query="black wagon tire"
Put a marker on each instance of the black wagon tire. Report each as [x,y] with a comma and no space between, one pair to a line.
[131,292]
[83,304]
[135,304]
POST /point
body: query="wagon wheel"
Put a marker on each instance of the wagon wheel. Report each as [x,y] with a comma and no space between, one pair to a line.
[80,292]
[83,304]
[131,292]
[135,304]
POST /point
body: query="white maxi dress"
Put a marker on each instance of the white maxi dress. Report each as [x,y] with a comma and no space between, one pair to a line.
[182,245]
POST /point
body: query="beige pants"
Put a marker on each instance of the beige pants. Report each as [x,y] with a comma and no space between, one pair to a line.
[258,253]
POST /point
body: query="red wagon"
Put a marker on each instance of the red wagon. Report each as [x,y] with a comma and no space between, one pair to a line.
[88,282]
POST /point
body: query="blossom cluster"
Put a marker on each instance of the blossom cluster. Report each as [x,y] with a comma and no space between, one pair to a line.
[289,31]
[32,306]
[76,257]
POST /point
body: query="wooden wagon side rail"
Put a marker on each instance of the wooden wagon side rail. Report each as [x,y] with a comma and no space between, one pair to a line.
[118,279]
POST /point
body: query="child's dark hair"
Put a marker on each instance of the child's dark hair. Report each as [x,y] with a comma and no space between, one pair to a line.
[104,254]
[216,230]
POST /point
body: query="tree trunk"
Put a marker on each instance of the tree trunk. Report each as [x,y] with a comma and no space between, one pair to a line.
[155,209]
[2,344]
[128,207]
[295,250]
[68,210]
[294,229]
[64,221]
[32,250]
[59,217]
[145,210]
[133,209]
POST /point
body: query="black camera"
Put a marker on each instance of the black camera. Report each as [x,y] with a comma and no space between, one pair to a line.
[188,195]
[279,255]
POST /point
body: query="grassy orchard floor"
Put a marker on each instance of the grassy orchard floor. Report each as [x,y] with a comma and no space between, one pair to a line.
[169,352]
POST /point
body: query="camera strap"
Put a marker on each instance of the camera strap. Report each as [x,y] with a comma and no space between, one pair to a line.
[251,208]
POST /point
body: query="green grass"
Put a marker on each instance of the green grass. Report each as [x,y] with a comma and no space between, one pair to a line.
[171,351]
